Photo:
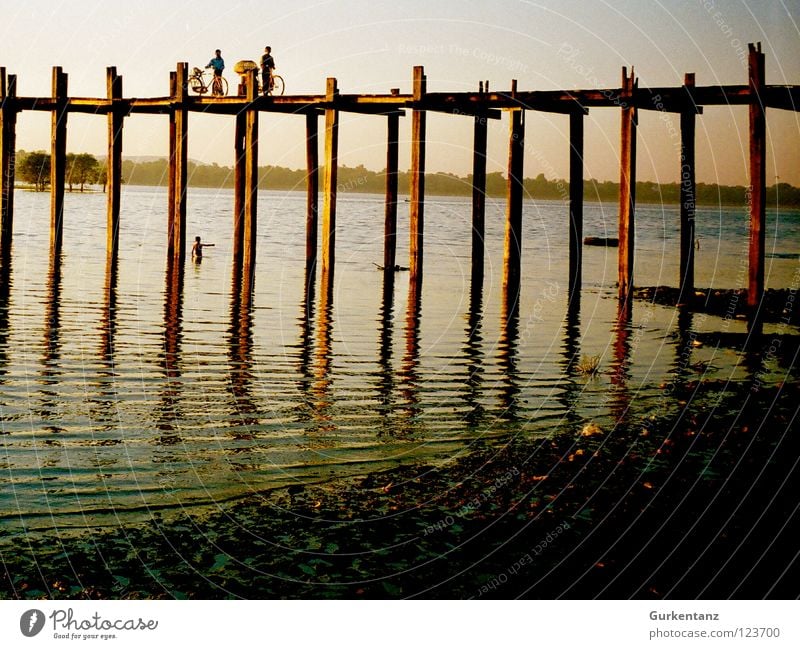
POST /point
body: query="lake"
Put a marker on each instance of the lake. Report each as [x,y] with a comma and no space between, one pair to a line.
[122,393]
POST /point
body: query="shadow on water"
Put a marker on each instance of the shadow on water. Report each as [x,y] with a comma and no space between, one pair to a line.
[507,347]
[408,374]
[50,373]
[473,351]
[169,411]
[240,355]
[386,379]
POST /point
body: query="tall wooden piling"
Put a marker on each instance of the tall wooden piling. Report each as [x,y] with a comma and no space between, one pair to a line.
[479,140]
[627,185]
[758,187]
[250,180]
[114,161]
[575,201]
[417,208]
[390,211]
[688,192]
[329,178]
[8,137]
[238,188]
[513,234]
[178,164]
[58,159]
[312,188]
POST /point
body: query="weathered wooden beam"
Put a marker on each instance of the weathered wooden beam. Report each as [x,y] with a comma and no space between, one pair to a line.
[758,187]
[250,177]
[417,179]
[390,206]
[575,202]
[688,196]
[329,180]
[238,189]
[513,235]
[114,162]
[8,137]
[627,186]
[58,159]
[479,140]
[179,127]
[312,189]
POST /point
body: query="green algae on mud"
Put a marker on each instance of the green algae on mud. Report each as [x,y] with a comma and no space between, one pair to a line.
[693,505]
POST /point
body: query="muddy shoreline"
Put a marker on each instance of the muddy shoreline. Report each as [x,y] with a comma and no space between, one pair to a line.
[694,505]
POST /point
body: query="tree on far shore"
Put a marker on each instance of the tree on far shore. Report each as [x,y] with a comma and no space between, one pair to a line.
[34,168]
[81,169]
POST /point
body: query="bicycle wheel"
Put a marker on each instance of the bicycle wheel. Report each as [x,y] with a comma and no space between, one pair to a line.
[196,84]
[224,82]
[277,85]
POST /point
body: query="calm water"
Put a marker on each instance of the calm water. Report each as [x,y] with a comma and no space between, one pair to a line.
[124,392]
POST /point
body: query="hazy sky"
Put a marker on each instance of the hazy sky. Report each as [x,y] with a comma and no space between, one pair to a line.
[372,45]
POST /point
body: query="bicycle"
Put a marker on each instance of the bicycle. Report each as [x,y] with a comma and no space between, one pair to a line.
[277,86]
[201,82]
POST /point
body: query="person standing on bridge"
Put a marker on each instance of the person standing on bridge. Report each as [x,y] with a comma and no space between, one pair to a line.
[218,64]
[267,66]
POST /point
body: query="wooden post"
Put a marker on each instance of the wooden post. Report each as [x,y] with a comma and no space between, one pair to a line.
[758,156]
[179,127]
[250,176]
[688,193]
[114,162]
[8,137]
[513,238]
[329,178]
[480,130]
[238,189]
[390,219]
[575,201]
[627,185]
[312,188]
[58,159]
[417,198]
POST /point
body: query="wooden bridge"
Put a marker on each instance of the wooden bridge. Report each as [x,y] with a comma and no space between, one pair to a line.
[686,100]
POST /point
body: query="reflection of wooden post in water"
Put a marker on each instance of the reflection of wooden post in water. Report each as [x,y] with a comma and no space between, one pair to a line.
[758,186]
[416,221]
[575,202]
[5,293]
[390,211]
[312,189]
[408,374]
[58,159]
[250,181]
[52,342]
[386,377]
[507,346]
[170,359]
[8,155]
[627,185]
[109,325]
[321,390]
[473,350]
[479,139]
[513,235]
[178,164]
[688,192]
[307,327]
[114,161]
[571,355]
[329,180]
[621,397]
[240,354]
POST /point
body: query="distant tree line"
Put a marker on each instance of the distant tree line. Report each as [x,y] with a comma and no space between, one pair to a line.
[82,169]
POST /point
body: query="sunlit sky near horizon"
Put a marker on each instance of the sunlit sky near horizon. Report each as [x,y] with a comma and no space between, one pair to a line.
[372,45]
